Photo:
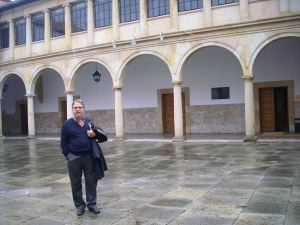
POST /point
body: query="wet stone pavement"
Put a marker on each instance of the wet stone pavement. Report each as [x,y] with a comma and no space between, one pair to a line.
[156,183]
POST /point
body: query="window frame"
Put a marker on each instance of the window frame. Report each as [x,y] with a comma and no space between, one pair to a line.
[106,19]
[163,5]
[187,5]
[4,32]
[78,16]
[53,23]
[40,30]
[224,2]
[132,10]
[20,31]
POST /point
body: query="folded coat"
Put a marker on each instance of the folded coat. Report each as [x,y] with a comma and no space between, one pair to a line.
[99,161]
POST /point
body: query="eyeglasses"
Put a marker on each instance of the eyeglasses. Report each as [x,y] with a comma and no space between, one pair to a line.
[77,107]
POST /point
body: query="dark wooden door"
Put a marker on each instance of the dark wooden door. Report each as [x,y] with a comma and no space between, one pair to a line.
[273,103]
[168,112]
[63,110]
[24,119]
[281,109]
[266,106]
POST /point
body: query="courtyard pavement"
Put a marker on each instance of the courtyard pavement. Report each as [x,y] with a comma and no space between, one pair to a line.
[155,183]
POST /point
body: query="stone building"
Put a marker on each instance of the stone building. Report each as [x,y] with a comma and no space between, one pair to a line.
[151,66]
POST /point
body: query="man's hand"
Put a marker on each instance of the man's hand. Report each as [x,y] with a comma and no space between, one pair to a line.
[90,133]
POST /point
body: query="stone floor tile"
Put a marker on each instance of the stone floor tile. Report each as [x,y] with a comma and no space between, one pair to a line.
[257,219]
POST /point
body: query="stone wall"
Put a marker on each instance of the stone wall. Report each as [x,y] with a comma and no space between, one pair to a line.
[47,123]
[11,124]
[218,118]
[204,119]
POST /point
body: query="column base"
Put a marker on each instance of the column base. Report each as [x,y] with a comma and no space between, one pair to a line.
[250,138]
[31,137]
[119,139]
[178,139]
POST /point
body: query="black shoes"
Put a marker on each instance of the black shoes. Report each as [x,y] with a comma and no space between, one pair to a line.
[80,211]
[95,210]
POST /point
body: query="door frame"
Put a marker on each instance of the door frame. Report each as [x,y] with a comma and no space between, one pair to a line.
[186,92]
[291,105]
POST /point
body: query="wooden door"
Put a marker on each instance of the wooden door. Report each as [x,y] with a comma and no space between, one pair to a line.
[266,106]
[24,119]
[281,109]
[63,110]
[168,112]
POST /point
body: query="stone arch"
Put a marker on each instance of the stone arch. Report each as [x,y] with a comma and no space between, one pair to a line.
[36,75]
[265,43]
[70,85]
[6,76]
[178,75]
[119,78]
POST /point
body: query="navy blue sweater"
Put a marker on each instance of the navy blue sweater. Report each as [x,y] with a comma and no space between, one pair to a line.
[74,138]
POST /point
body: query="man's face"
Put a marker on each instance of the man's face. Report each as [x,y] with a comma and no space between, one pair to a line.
[78,110]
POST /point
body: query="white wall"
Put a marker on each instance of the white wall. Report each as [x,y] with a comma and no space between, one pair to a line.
[95,95]
[209,68]
[142,78]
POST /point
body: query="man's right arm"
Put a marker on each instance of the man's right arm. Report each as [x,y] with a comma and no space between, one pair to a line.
[64,141]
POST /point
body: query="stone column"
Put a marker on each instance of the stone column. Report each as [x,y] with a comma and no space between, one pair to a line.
[284,7]
[118,114]
[69,104]
[173,15]
[249,109]
[1,133]
[67,26]
[47,31]
[244,10]
[90,22]
[28,35]
[30,111]
[115,20]
[143,17]
[178,120]
[12,39]
[207,13]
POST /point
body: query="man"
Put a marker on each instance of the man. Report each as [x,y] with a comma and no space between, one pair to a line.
[76,146]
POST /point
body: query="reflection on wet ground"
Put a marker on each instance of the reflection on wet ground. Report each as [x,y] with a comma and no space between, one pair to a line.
[156,183]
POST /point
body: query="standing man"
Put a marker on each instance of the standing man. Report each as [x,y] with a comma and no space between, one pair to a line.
[76,145]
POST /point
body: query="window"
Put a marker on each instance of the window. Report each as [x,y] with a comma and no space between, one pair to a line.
[158,7]
[129,10]
[20,31]
[79,17]
[103,13]
[4,35]
[38,26]
[186,5]
[57,22]
[220,93]
[222,2]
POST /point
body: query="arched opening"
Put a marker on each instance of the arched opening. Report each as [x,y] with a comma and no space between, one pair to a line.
[14,107]
[213,76]
[146,80]
[98,96]
[48,92]
[277,86]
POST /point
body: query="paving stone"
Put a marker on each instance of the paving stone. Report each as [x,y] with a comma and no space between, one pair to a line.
[255,219]
[155,183]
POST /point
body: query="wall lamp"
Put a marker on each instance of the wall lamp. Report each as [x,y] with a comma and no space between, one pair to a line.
[161,36]
[97,75]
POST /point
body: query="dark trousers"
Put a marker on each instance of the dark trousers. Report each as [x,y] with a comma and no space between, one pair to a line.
[77,164]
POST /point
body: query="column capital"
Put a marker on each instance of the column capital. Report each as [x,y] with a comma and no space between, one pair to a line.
[67,4]
[248,78]
[46,10]
[30,95]
[69,92]
[177,82]
[117,87]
